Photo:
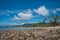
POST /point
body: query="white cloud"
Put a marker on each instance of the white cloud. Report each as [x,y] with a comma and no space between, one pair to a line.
[41,11]
[25,15]
[54,11]
[22,23]
[57,9]
[8,12]
[16,18]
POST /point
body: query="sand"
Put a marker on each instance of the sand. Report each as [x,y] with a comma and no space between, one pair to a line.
[41,33]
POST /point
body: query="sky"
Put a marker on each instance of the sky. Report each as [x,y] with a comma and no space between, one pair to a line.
[18,12]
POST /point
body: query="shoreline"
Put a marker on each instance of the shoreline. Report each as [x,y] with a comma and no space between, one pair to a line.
[42,33]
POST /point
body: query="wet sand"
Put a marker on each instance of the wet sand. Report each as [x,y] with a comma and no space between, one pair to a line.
[41,33]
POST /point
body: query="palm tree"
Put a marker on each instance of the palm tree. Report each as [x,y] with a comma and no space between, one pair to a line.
[44,21]
[54,20]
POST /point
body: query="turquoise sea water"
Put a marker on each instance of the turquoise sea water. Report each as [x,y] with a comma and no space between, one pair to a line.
[16,28]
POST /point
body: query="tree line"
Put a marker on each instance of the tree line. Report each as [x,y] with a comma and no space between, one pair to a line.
[53,21]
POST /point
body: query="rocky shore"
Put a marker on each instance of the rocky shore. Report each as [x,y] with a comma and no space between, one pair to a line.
[38,34]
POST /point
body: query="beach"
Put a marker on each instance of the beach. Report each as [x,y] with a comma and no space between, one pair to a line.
[41,33]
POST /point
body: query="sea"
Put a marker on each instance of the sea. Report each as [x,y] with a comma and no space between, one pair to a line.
[16,28]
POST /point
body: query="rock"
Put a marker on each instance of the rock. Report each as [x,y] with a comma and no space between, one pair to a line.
[58,31]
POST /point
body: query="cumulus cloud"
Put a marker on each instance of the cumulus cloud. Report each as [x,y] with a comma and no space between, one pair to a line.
[16,18]
[25,15]
[42,10]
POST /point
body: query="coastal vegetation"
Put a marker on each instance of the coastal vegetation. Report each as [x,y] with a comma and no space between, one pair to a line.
[50,21]
[53,21]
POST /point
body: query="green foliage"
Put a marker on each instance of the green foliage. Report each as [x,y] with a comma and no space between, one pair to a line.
[54,20]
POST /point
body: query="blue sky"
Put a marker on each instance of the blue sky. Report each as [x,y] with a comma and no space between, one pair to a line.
[27,11]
